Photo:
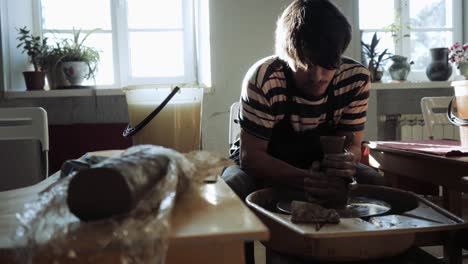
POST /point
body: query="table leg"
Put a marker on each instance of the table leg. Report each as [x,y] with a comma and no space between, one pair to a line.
[453,201]
[453,248]
[273,257]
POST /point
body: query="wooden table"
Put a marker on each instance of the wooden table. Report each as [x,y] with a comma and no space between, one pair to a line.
[209,223]
[448,172]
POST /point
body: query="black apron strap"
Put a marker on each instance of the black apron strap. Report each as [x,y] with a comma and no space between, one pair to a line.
[330,105]
[290,87]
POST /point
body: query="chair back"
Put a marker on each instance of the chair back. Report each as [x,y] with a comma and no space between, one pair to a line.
[234,127]
[434,110]
[24,145]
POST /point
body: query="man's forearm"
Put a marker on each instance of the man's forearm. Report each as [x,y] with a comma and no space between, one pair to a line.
[267,167]
[356,150]
[353,143]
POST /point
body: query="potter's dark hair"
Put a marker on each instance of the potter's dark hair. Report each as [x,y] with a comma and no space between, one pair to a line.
[312,32]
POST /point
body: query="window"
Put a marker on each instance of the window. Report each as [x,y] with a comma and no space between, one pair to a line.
[141,41]
[411,27]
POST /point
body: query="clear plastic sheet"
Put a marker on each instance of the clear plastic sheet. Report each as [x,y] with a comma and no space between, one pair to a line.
[49,233]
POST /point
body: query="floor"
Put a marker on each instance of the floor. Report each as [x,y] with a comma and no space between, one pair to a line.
[435,251]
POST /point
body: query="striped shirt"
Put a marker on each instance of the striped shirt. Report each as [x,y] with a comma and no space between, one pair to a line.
[264,99]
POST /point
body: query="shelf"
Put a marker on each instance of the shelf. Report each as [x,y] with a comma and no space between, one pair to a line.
[62,93]
[72,93]
[411,85]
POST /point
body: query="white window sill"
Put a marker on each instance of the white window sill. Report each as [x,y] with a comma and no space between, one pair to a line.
[411,85]
[62,93]
[207,90]
[72,93]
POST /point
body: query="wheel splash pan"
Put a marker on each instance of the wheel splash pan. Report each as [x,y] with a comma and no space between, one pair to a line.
[354,239]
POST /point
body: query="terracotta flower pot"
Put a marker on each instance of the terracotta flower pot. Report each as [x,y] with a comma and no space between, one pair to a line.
[377,76]
[35,80]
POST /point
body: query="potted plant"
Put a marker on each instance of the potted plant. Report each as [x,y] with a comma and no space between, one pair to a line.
[54,73]
[69,61]
[78,61]
[458,55]
[35,48]
[375,58]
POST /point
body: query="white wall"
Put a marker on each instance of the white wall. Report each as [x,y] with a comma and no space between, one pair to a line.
[349,9]
[17,61]
[465,20]
[242,31]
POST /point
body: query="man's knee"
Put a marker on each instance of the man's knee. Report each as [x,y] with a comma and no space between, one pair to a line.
[239,181]
[368,175]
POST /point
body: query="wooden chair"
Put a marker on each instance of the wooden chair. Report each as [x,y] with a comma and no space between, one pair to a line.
[234,127]
[434,110]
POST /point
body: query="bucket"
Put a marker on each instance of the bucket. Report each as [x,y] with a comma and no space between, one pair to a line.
[458,110]
[178,123]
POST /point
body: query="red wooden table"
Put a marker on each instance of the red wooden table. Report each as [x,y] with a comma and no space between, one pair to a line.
[440,162]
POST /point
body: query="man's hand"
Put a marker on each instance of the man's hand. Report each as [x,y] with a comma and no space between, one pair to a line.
[339,165]
[319,187]
[327,190]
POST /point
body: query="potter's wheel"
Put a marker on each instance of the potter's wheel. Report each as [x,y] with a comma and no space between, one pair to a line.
[358,206]
[408,219]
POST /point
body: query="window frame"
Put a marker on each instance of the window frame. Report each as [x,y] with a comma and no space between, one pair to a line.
[13,60]
[403,47]
[120,36]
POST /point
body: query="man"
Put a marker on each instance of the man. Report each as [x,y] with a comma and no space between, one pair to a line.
[307,90]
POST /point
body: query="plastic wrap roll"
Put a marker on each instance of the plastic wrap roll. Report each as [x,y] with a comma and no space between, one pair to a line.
[114,186]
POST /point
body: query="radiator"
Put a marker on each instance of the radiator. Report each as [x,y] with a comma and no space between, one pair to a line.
[412,127]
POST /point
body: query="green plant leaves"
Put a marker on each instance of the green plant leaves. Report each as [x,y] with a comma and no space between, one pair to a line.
[370,51]
[34,46]
[75,50]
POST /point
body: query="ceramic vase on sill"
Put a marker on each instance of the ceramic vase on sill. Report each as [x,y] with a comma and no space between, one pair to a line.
[439,69]
[400,68]
[463,69]
[75,71]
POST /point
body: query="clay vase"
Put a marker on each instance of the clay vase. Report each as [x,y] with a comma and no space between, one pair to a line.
[400,68]
[335,145]
[332,144]
[439,69]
